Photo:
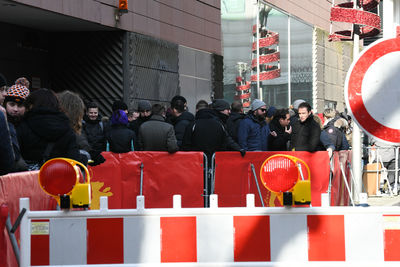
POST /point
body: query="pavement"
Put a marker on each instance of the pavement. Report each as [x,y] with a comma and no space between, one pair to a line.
[384,200]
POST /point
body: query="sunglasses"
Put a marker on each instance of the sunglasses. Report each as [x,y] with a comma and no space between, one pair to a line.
[263,109]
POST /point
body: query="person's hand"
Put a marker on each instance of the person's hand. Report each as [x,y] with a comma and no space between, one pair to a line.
[288,130]
[273,133]
[242,152]
[330,152]
[97,158]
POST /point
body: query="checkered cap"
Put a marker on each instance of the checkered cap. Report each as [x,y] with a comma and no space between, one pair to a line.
[18,90]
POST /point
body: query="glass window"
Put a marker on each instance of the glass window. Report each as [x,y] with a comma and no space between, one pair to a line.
[275,90]
[300,61]
[282,79]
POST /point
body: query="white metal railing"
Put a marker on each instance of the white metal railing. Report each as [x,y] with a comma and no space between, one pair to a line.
[375,156]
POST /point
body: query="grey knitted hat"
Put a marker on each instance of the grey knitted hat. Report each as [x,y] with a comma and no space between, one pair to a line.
[256,104]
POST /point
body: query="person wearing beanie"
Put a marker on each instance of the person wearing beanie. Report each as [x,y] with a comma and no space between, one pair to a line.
[119,137]
[14,102]
[222,108]
[144,108]
[15,109]
[253,130]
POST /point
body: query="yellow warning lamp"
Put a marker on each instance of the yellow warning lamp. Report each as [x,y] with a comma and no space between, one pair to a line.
[60,178]
[123,6]
[283,175]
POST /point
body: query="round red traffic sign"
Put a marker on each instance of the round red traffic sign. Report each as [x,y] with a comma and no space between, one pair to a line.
[372,90]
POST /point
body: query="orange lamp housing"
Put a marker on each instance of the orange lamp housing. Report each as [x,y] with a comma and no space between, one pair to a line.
[123,6]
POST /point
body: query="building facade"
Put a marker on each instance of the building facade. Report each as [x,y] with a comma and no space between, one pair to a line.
[297,63]
[158,49]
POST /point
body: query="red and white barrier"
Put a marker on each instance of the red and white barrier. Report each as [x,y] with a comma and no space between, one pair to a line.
[250,236]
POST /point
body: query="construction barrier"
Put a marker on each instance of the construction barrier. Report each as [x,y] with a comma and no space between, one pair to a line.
[163,175]
[248,236]
[234,177]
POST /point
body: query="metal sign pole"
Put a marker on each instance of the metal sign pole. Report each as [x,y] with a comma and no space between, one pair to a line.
[356,141]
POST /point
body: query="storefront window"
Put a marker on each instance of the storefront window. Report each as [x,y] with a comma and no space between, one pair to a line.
[300,61]
[286,44]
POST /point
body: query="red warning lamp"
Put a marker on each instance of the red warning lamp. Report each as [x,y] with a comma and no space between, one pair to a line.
[60,178]
[123,6]
[283,175]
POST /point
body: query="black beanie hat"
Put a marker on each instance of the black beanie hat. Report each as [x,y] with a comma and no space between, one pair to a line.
[220,105]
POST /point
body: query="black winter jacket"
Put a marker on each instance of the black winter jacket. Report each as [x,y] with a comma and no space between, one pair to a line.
[232,124]
[279,142]
[305,135]
[120,138]
[42,126]
[95,133]
[180,123]
[207,134]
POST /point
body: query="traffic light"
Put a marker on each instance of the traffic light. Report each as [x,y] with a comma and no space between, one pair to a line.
[123,6]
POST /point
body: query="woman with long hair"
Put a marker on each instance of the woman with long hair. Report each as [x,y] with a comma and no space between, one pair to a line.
[72,105]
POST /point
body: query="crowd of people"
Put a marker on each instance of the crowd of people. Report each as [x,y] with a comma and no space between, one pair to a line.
[39,125]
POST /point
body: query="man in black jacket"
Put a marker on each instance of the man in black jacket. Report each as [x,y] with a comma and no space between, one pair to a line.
[180,119]
[306,131]
[280,130]
[233,122]
[208,134]
[94,129]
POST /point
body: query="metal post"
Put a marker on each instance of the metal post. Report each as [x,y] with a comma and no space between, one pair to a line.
[347,185]
[13,240]
[206,174]
[141,179]
[258,187]
[388,19]
[356,141]
[289,64]
[25,235]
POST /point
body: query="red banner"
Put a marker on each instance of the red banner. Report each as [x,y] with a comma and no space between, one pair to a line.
[164,175]
[234,177]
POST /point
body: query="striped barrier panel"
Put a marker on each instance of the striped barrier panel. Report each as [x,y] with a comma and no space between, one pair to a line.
[248,236]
